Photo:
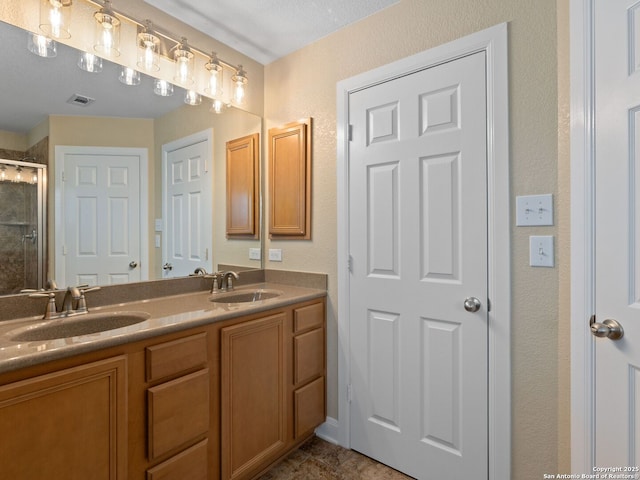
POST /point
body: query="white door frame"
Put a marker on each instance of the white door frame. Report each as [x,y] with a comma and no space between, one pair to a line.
[493,41]
[59,240]
[582,234]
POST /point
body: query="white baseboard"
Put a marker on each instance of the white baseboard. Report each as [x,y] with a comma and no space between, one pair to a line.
[329,431]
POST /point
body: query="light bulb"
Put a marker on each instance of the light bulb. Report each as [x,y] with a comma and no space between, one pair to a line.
[214,87]
[217,106]
[107,39]
[162,88]
[55,16]
[90,62]
[240,81]
[41,45]
[18,177]
[184,63]
[129,76]
[34,176]
[192,98]
[148,49]
[3,173]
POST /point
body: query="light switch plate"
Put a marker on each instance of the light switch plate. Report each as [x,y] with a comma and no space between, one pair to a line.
[541,251]
[254,254]
[275,254]
[158,224]
[534,210]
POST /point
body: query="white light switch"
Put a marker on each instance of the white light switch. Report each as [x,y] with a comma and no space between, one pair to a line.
[541,251]
[275,254]
[158,224]
[254,254]
[534,210]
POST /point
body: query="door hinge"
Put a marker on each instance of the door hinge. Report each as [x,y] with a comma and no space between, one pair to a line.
[350,132]
[349,393]
[62,176]
[350,264]
[64,249]
[488,304]
[206,254]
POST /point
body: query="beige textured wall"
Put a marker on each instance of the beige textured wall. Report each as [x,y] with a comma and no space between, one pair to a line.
[304,84]
[13,141]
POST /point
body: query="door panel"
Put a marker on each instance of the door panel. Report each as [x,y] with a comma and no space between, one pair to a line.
[102,218]
[188,190]
[617,232]
[418,240]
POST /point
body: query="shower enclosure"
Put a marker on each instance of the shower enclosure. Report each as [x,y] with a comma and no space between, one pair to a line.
[23,231]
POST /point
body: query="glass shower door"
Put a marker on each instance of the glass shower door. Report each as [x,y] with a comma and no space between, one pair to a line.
[22,226]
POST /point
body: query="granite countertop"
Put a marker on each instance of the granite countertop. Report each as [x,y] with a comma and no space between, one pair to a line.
[167,314]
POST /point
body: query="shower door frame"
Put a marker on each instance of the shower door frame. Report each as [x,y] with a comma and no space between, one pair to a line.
[41,221]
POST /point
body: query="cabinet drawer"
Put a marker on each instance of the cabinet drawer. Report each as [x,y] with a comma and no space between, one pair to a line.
[174,357]
[311,316]
[309,407]
[190,464]
[178,412]
[308,351]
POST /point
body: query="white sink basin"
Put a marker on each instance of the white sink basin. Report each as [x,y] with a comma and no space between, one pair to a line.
[75,326]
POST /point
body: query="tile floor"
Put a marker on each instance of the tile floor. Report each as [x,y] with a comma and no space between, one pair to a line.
[318,459]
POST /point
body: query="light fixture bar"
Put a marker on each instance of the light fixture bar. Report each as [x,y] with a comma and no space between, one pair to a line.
[168,41]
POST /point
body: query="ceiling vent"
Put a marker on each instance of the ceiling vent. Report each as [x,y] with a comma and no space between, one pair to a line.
[80,100]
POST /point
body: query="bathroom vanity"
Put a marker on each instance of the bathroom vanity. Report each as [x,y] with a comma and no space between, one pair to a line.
[198,390]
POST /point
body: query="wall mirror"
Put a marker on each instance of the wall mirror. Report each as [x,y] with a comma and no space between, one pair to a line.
[50,102]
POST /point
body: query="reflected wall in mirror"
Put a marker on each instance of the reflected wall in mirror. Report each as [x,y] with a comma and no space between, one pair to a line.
[36,117]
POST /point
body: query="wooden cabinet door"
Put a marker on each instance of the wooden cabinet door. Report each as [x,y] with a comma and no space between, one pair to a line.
[253,395]
[69,425]
[243,159]
[290,181]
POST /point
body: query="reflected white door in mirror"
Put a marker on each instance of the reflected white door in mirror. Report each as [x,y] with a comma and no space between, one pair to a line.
[100,213]
[187,200]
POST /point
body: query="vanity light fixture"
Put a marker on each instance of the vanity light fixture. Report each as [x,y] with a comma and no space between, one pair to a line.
[162,88]
[55,16]
[107,36]
[89,62]
[148,49]
[184,63]
[129,76]
[191,97]
[239,81]
[42,46]
[214,87]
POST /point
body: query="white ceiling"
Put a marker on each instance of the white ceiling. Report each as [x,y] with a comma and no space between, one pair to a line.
[266,30]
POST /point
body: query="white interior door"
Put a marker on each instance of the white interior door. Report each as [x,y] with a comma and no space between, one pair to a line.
[617,243]
[100,216]
[188,184]
[418,242]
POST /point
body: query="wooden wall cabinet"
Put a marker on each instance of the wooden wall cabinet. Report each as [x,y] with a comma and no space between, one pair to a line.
[290,181]
[243,160]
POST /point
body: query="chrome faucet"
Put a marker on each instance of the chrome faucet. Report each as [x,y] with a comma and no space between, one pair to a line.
[72,293]
[222,281]
[227,282]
